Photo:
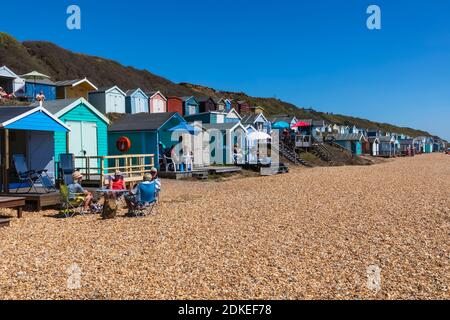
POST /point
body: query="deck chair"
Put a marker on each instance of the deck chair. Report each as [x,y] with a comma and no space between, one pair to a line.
[145,200]
[31,177]
[66,167]
[70,207]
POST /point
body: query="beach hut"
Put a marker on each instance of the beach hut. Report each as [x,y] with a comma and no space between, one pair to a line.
[206,104]
[157,102]
[257,109]
[145,131]
[220,104]
[233,116]
[136,101]
[257,120]
[27,131]
[108,100]
[241,106]
[407,147]
[222,138]
[175,104]
[35,86]
[387,146]
[9,81]
[88,135]
[207,117]
[190,106]
[374,146]
[71,89]
[351,141]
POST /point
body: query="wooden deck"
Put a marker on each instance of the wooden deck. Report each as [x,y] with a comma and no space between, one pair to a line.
[37,200]
[199,173]
[13,203]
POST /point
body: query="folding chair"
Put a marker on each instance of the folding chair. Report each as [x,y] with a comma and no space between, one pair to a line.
[31,177]
[170,163]
[70,207]
[145,200]
[66,167]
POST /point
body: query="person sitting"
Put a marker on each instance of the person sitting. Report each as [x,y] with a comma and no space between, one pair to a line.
[3,93]
[237,154]
[117,182]
[77,193]
[154,174]
[142,196]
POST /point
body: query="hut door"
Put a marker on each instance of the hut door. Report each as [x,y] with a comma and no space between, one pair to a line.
[83,142]
[41,151]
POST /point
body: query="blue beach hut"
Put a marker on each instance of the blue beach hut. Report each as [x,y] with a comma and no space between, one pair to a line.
[28,131]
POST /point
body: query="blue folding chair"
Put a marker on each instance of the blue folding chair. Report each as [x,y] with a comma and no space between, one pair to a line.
[31,177]
[66,167]
[144,201]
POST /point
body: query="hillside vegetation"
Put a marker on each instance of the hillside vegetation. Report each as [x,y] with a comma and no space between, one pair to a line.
[62,64]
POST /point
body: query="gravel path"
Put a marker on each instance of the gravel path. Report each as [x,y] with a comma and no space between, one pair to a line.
[310,234]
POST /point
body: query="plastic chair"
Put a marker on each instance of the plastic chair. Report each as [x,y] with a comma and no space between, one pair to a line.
[31,177]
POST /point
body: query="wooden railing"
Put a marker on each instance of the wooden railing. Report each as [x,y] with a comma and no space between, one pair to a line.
[97,169]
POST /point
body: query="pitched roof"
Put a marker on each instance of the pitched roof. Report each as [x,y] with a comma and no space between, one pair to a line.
[40,81]
[349,137]
[10,112]
[249,118]
[186,98]
[220,126]
[133,91]
[141,122]
[204,99]
[105,89]
[385,139]
[75,82]
[60,107]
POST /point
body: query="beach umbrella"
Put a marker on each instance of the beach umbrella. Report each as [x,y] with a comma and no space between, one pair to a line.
[281,125]
[34,75]
[184,127]
[301,124]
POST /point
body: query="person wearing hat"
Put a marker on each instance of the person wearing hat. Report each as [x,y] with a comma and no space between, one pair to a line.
[117,182]
[78,193]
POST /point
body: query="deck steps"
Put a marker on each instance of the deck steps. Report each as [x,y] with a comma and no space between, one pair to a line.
[4,222]
[292,156]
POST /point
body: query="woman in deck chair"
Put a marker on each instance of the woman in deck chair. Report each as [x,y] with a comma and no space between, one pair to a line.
[77,193]
[142,198]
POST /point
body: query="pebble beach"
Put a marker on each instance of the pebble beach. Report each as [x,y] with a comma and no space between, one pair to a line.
[310,234]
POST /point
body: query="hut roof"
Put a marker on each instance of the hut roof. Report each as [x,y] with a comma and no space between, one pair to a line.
[141,122]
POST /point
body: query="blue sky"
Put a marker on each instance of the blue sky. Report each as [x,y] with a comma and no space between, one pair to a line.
[312,53]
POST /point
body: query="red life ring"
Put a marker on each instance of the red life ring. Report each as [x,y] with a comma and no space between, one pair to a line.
[123,144]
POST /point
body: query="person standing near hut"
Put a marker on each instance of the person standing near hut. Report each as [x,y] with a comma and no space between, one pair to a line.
[41,97]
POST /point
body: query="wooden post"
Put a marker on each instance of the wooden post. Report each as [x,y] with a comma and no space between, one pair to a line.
[67,142]
[102,163]
[5,160]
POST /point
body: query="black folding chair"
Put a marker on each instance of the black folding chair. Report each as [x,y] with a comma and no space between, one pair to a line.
[31,177]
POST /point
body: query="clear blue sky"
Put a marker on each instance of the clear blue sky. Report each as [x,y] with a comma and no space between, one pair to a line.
[311,53]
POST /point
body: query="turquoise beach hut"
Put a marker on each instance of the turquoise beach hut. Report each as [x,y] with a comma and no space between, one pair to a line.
[144,131]
[89,128]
